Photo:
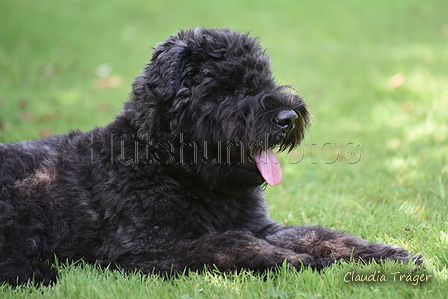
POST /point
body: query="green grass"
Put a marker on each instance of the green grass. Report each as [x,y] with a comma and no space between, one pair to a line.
[387,183]
[90,282]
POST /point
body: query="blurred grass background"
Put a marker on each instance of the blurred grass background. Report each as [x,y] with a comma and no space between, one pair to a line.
[374,74]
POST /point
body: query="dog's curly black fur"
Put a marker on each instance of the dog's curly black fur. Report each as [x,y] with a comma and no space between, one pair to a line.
[172,183]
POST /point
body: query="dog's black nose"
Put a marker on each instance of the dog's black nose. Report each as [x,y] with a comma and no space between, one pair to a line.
[286,119]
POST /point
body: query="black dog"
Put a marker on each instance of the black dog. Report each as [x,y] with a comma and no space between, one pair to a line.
[174,182]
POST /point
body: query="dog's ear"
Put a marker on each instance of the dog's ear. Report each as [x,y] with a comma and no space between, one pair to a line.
[153,91]
[164,73]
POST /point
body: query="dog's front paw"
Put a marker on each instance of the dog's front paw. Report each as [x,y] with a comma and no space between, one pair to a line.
[322,263]
[416,258]
[403,256]
[302,261]
[381,252]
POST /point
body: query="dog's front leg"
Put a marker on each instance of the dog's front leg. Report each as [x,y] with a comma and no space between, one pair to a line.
[321,242]
[231,250]
[235,250]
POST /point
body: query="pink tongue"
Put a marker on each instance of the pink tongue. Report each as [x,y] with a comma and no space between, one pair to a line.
[269,167]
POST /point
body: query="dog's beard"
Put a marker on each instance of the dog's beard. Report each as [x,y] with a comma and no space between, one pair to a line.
[233,166]
[237,165]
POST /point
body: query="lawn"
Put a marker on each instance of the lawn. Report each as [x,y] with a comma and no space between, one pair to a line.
[374,162]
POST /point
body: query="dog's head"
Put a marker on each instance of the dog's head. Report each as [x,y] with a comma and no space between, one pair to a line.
[210,95]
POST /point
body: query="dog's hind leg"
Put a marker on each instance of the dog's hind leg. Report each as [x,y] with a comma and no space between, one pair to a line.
[321,242]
